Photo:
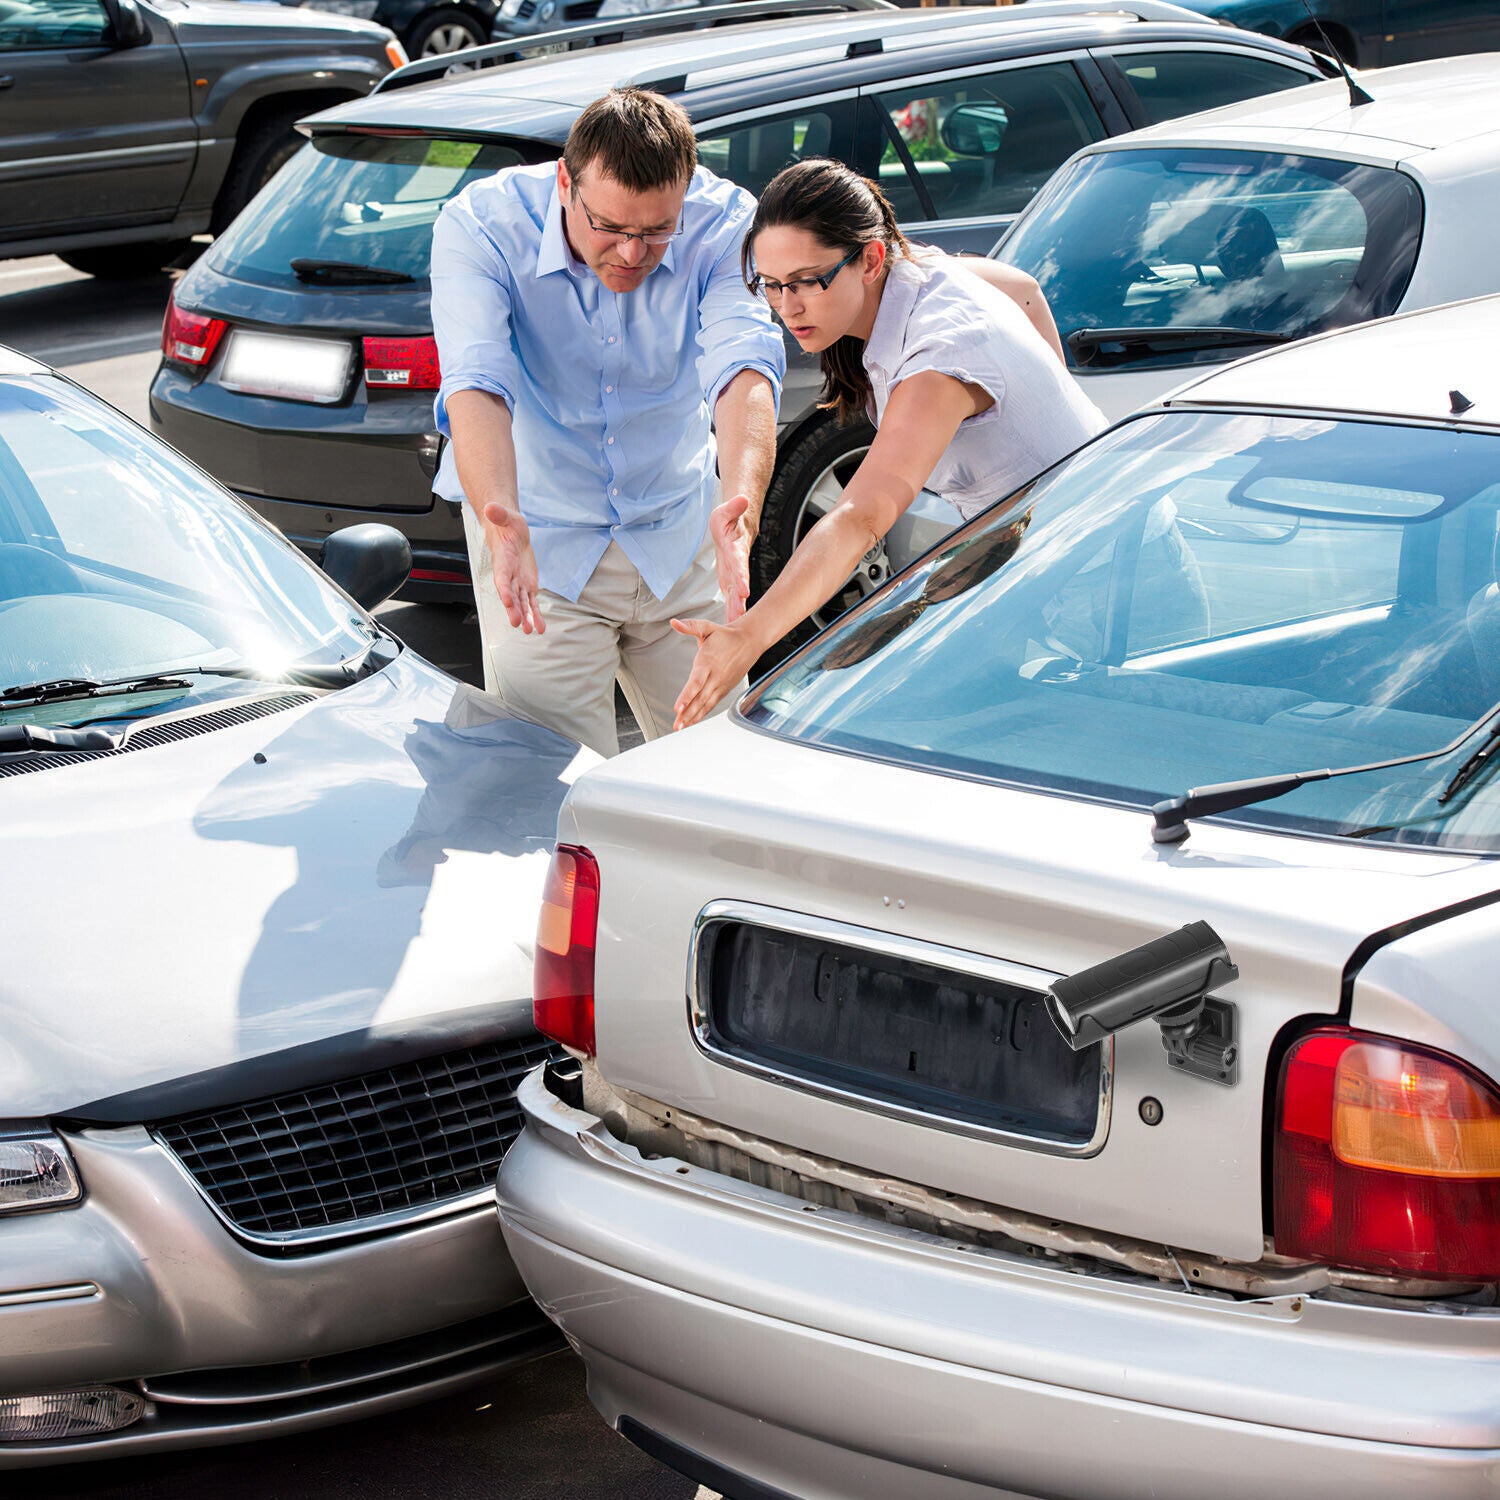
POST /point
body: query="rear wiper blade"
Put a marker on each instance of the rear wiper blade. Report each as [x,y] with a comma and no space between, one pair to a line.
[1170,817]
[346,273]
[17,738]
[1113,345]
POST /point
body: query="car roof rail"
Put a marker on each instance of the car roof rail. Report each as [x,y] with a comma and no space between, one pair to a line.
[626,29]
[869,39]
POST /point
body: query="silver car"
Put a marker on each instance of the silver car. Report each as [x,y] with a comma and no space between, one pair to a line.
[1116,1115]
[270,887]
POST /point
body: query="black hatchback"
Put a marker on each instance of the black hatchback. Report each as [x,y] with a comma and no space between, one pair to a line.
[298,363]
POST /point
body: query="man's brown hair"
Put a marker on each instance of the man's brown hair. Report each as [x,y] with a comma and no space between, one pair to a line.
[643,141]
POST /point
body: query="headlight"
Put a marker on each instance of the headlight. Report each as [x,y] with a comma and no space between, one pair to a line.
[364,9]
[36,1171]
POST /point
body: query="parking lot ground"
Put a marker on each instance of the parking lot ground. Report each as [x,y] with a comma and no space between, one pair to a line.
[529,1436]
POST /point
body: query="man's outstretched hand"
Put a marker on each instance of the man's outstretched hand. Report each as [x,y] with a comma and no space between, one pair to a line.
[514,564]
[725,654]
[732,541]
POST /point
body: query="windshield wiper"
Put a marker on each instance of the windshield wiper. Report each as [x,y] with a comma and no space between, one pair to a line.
[1114,345]
[1170,816]
[345,273]
[16,738]
[379,653]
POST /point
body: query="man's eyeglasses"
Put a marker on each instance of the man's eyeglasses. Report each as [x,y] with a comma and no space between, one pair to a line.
[653,237]
[803,286]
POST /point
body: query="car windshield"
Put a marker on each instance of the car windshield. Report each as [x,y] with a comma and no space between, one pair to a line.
[1254,242]
[118,560]
[1193,599]
[357,200]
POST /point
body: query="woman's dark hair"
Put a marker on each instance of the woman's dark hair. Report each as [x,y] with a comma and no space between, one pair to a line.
[836,205]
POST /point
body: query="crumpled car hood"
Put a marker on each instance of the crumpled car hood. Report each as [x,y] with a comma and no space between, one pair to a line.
[361,867]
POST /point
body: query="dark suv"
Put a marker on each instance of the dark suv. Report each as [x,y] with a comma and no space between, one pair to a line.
[129,128]
[298,361]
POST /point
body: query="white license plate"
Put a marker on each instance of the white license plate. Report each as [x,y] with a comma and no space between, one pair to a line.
[275,364]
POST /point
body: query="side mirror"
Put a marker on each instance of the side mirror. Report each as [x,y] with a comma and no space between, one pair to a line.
[974,129]
[127,25]
[368,562]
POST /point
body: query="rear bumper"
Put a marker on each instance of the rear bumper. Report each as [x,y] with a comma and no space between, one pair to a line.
[823,1355]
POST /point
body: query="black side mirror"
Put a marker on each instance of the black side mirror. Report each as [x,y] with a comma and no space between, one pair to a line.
[368,562]
[974,129]
[128,26]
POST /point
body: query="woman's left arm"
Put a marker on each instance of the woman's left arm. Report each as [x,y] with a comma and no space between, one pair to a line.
[1023,290]
[920,419]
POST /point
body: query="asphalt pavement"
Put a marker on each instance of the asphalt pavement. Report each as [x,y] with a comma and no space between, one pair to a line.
[531,1435]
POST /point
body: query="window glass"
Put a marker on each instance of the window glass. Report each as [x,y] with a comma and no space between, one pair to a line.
[752,154]
[1193,599]
[370,200]
[1185,81]
[35,24]
[983,146]
[118,558]
[1234,242]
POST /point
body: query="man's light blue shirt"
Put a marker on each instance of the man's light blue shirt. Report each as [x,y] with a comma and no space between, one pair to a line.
[611,394]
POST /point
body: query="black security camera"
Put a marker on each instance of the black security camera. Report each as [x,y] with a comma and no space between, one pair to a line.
[1168,979]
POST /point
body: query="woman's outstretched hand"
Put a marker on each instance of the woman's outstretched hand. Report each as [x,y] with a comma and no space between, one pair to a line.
[725,654]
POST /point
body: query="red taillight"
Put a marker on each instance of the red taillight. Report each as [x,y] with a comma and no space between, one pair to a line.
[189,338]
[406,364]
[1387,1158]
[563,986]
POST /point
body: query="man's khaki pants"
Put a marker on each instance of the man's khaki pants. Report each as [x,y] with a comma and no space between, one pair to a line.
[616,630]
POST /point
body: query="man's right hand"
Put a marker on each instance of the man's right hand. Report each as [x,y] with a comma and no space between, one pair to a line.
[514,563]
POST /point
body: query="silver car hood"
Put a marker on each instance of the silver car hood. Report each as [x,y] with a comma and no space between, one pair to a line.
[356,872]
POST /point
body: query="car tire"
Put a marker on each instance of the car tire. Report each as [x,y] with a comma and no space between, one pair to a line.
[440,32]
[258,156]
[808,482]
[124,262]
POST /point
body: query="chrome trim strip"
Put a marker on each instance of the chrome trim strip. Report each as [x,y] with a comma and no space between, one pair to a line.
[332,1234]
[80,1291]
[890,945]
[170,150]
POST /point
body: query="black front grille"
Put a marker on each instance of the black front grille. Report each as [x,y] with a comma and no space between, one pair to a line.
[327,1158]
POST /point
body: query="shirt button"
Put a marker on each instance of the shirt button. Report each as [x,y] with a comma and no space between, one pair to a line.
[609,390]
[614,492]
[611,442]
[611,338]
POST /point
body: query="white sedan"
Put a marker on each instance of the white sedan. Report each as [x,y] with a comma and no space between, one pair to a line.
[1198,239]
[1116,1114]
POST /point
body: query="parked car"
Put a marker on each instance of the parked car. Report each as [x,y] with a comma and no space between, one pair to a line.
[427,28]
[1368,33]
[131,127]
[1010,1143]
[266,990]
[337,249]
[1191,242]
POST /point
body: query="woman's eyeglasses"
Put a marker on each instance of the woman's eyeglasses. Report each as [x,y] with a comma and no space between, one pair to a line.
[802,286]
[653,237]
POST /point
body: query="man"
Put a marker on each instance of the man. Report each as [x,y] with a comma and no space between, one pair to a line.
[592,322]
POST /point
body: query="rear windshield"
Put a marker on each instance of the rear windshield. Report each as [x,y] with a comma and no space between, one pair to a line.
[365,200]
[1270,245]
[1194,599]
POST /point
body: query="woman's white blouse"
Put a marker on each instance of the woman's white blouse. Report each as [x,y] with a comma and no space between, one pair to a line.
[935,315]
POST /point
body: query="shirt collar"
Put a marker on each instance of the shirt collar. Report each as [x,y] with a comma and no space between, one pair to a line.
[553,253]
[888,333]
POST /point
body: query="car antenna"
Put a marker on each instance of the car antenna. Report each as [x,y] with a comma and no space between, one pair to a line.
[1357,95]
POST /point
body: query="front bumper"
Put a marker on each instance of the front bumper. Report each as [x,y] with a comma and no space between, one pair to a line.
[823,1355]
[142,1285]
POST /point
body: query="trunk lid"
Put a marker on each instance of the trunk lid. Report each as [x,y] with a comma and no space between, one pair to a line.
[1035,886]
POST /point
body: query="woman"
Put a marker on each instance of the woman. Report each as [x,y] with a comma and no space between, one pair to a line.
[956,362]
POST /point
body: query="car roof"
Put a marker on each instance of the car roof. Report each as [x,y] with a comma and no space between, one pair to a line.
[1408,366]
[1423,106]
[13,362]
[781,55]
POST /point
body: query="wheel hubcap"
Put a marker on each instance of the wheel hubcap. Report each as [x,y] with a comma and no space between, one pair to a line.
[445,39]
[874,567]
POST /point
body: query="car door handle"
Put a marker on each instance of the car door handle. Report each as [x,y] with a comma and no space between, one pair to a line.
[7,80]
